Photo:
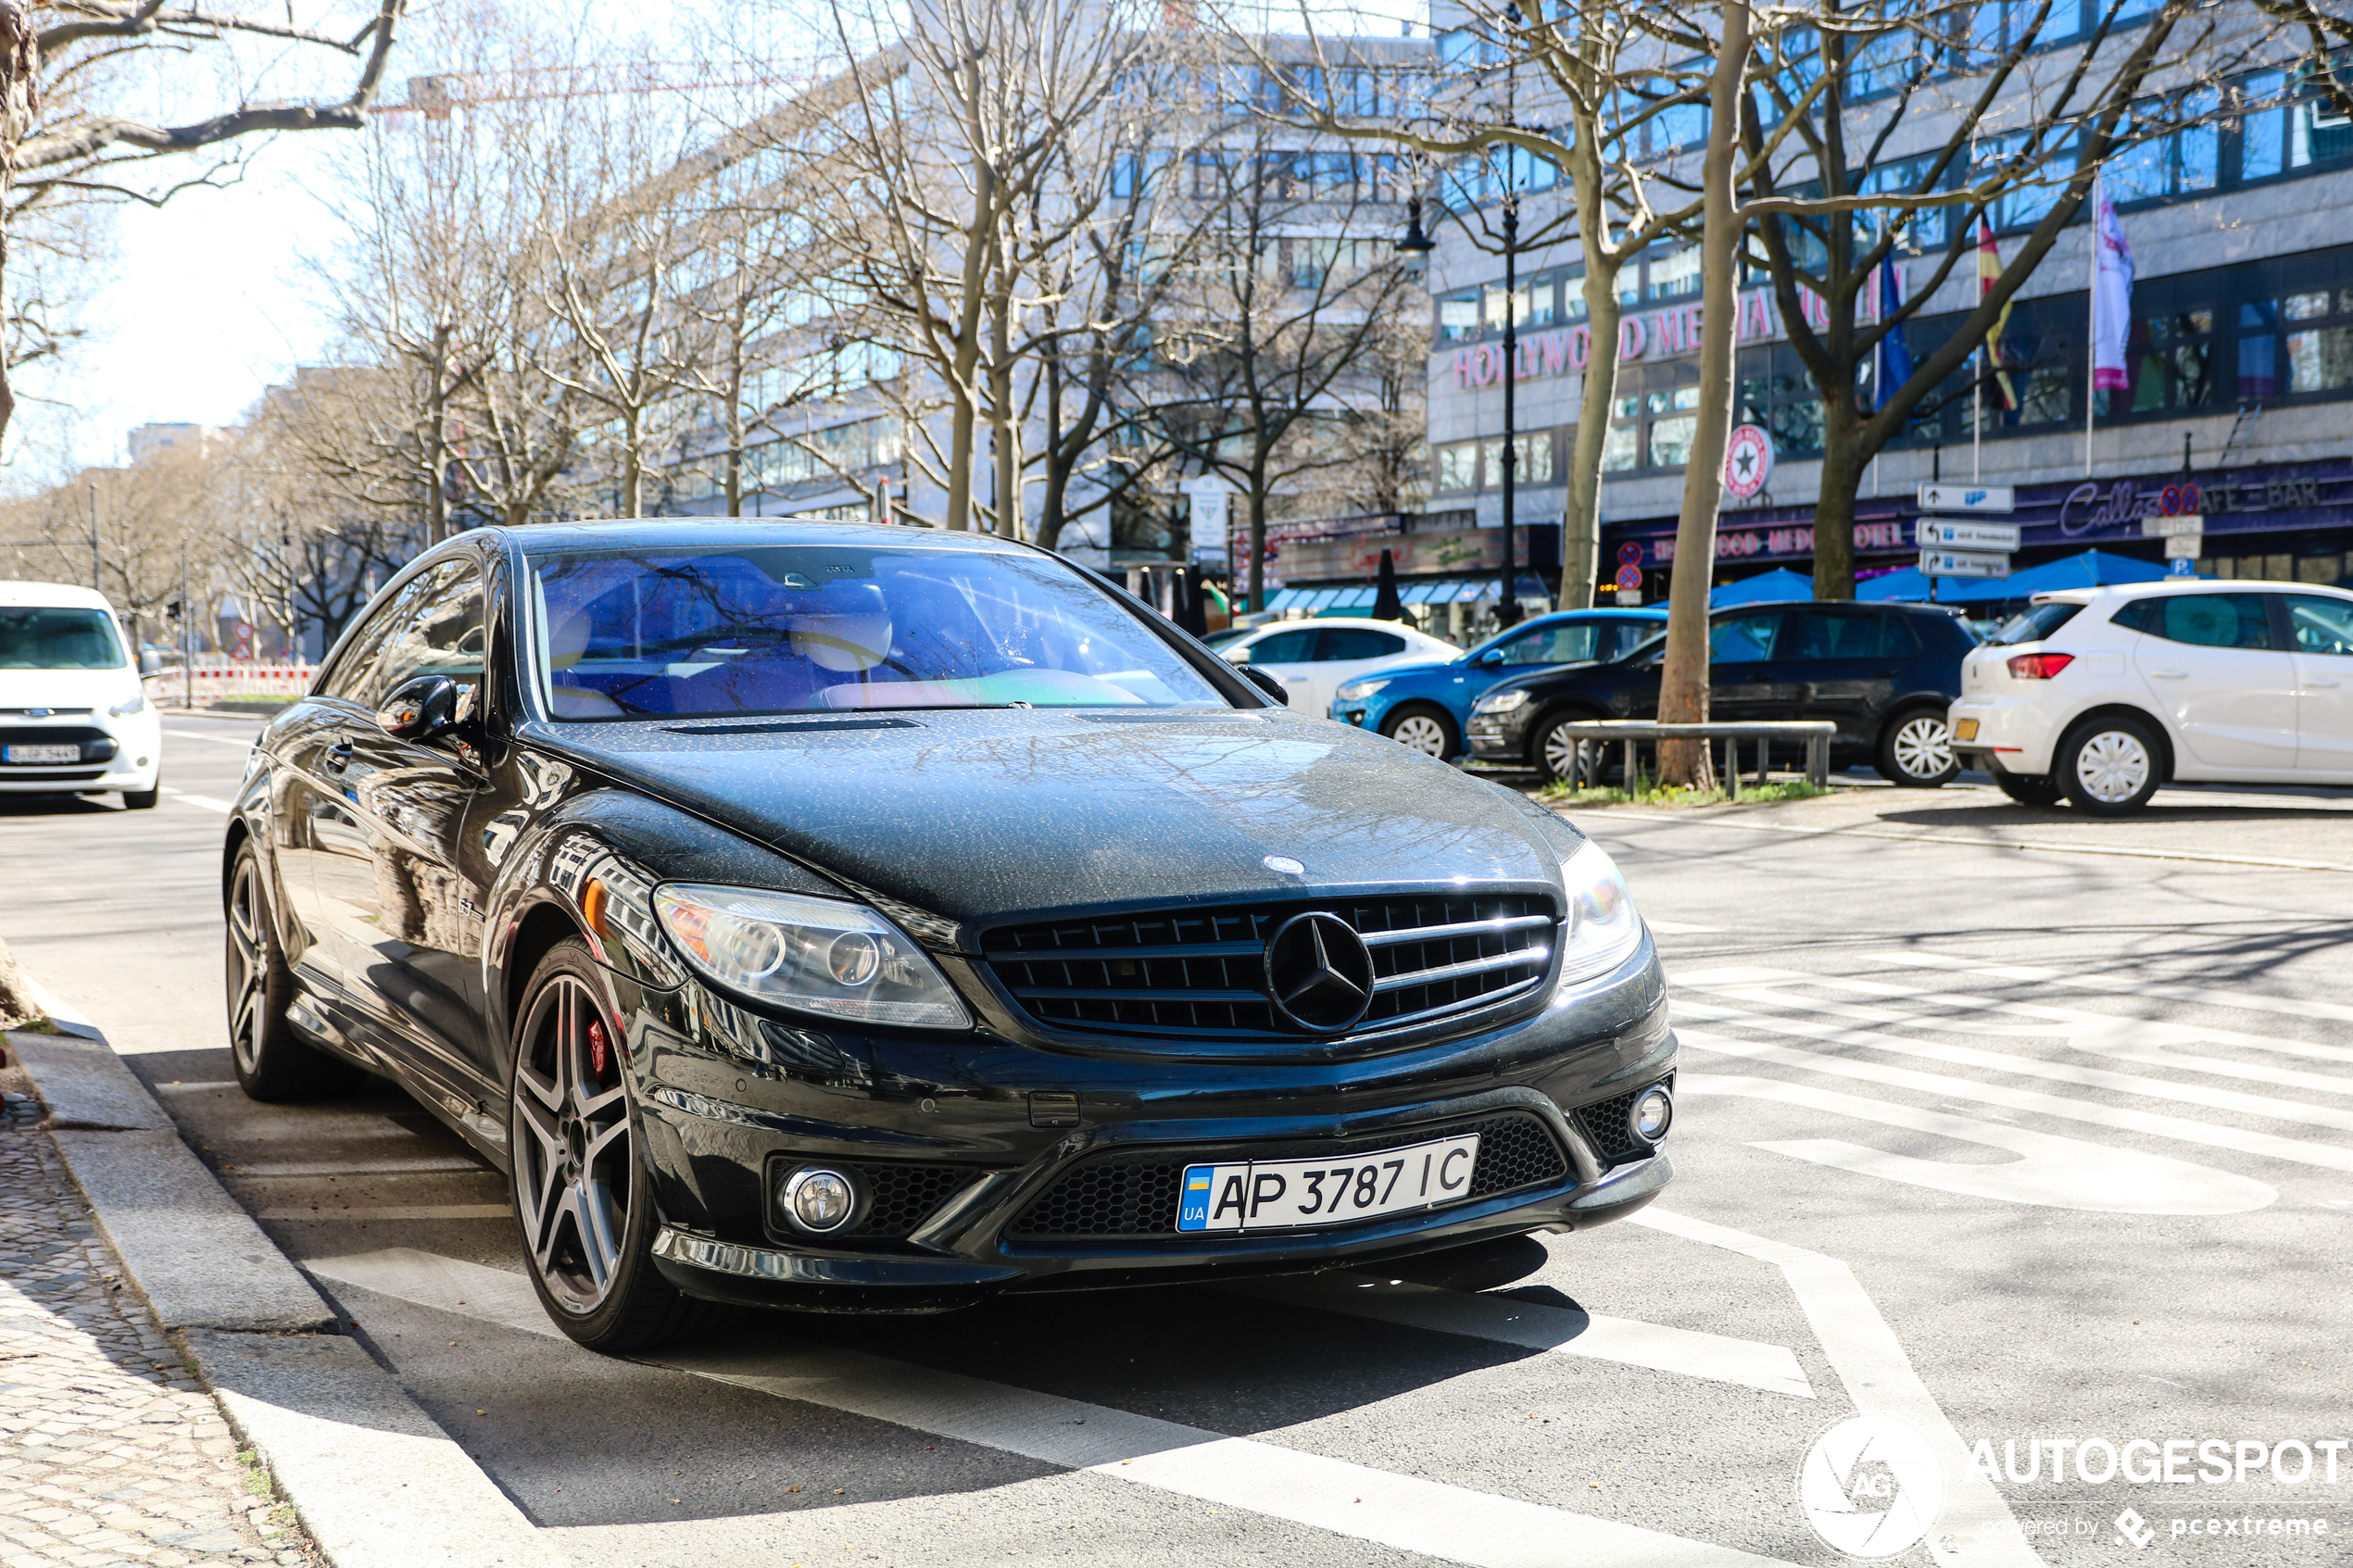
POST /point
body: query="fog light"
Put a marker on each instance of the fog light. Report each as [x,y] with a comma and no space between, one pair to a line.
[1652,1113]
[817,1200]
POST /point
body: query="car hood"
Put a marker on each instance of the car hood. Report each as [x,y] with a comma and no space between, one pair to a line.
[95,689]
[976,815]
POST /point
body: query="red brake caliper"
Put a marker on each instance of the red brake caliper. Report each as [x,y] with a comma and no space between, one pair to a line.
[596,1048]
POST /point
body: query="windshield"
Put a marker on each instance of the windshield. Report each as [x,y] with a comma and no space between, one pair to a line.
[802,628]
[46,638]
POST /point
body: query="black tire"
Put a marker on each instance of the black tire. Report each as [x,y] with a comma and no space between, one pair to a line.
[1424,727]
[582,1194]
[2109,767]
[2027,789]
[272,1061]
[143,799]
[1551,752]
[1916,750]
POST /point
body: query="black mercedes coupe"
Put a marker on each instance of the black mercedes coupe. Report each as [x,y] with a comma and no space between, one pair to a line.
[877,918]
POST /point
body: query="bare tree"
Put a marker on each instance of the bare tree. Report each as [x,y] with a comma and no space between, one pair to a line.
[69,72]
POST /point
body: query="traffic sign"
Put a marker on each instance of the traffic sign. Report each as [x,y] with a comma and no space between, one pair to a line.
[1967,498]
[1748,461]
[2184,547]
[2169,527]
[1952,534]
[1629,553]
[1963,563]
[1629,580]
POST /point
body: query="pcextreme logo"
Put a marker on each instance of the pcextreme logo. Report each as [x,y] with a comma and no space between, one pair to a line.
[1871,1486]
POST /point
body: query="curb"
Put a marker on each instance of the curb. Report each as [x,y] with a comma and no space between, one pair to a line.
[373,1478]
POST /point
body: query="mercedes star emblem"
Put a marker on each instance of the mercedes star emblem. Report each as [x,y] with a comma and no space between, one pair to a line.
[1319,973]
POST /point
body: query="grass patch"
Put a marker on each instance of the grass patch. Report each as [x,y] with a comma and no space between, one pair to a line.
[1649,794]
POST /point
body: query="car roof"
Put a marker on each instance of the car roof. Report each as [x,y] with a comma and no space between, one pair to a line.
[1364,621]
[52,596]
[2189,585]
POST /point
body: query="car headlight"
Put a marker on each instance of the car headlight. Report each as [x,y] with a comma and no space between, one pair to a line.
[1355,689]
[1602,927]
[819,955]
[1500,702]
[124,709]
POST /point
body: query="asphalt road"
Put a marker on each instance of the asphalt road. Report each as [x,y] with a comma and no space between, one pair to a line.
[2006,1126]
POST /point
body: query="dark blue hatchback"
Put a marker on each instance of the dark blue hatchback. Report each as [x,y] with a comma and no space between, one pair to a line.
[1427,706]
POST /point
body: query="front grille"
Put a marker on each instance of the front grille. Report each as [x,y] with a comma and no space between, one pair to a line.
[1605,1127]
[1134,1194]
[1202,973]
[905,1195]
[28,773]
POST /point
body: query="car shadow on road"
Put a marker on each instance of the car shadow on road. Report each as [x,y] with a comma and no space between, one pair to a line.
[56,806]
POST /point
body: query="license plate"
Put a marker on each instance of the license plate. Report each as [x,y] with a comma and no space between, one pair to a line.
[1965,730]
[1287,1194]
[38,754]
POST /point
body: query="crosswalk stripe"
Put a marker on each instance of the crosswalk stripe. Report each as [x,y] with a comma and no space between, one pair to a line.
[1951,1088]
[207,802]
[1404,1513]
[1537,1326]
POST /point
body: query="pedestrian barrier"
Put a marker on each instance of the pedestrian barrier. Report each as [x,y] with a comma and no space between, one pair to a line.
[1815,733]
[209,682]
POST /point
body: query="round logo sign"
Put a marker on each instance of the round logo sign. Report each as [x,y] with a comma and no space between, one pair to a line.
[1748,461]
[1871,1486]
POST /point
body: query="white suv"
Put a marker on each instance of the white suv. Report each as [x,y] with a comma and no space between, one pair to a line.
[73,719]
[2102,693]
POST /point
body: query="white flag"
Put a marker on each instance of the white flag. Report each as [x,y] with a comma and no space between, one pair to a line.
[2111,299]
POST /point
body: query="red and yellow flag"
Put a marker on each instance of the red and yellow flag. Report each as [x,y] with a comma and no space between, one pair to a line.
[1989,273]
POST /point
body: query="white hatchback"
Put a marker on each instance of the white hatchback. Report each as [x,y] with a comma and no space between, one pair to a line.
[2100,694]
[73,719]
[1314,658]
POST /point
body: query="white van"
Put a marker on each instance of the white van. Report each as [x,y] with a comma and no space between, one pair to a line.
[73,719]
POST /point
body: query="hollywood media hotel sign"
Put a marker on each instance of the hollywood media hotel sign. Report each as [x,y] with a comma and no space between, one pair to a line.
[1653,334]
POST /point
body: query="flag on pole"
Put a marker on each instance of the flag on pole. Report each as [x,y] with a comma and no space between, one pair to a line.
[1989,273]
[1894,365]
[2112,289]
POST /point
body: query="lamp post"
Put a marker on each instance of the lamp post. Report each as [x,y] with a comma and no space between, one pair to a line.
[1507,592]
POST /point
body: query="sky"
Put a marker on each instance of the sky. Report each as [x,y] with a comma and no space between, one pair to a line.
[211,300]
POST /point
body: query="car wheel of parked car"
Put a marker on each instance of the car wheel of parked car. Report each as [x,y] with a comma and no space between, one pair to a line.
[1556,752]
[272,1063]
[2026,789]
[1424,729]
[2108,766]
[1916,750]
[143,799]
[580,1187]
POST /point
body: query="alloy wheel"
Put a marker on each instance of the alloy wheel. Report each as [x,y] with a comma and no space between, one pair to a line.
[1419,731]
[1560,759]
[575,1161]
[1924,746]
[2112,766]
[249,967]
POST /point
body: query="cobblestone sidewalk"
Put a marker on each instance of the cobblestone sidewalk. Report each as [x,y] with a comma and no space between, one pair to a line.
[109,1451]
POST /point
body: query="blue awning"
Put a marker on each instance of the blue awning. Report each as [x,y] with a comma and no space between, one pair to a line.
[1285,598]
[1766,587]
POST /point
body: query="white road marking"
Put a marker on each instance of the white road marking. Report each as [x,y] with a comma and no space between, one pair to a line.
[1940,1085]
[2124,985]
[1977,1529]
[2269,1106]
[1717,1357]
[2050,1173]
[366,1215]
[2128,851]
[1401,1511]
[242,745]
[1681,928]
[208,802]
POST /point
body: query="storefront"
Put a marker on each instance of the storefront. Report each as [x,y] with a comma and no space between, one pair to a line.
[1447,567]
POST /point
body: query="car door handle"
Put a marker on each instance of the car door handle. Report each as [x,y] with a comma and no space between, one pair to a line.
[2168,675]
[338,756]
[2321,685]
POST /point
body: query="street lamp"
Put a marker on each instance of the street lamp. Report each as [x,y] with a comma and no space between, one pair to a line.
[1413,251]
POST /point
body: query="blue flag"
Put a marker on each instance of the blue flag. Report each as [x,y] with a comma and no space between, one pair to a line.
[1894,365]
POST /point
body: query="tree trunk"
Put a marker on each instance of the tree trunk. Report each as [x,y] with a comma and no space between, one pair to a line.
[1843,466]
[1581,532]
[19,97]
[1257,542]
[1682,693]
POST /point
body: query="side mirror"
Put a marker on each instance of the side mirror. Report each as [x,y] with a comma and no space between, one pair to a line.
[1492,657]
[421,709]
[1272,684]
[150,662]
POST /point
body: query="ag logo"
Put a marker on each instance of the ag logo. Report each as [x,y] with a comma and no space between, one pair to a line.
[1871,1486]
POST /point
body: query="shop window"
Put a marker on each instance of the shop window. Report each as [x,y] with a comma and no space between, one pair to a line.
[1536,458]
[2172,364]
[1619,448]
[1458,466]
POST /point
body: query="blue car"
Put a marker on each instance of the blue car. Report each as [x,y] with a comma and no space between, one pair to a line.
[1425,705]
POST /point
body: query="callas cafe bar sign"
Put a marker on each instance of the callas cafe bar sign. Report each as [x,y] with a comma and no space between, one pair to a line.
[1652,334]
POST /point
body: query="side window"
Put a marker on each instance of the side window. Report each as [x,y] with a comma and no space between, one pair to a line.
[1745,639]
[439,633]
[1569,644]
[1344,643]
[1284,647]
[354,675]
[2208,621]
[2321,625]
[1828,634]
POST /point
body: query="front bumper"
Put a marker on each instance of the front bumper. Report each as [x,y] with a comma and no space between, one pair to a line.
[898,1104]
[127,757]
[2014,734]
[1497,737]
